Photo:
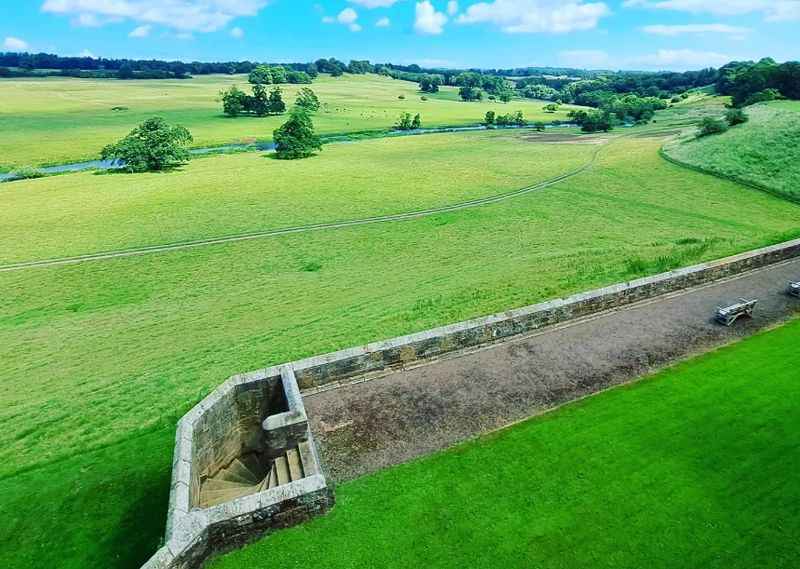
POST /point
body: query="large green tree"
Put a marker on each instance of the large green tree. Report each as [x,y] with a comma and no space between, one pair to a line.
[154,145]
[296,138]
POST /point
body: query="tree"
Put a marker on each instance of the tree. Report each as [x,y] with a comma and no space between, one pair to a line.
[296,138]
[430,83]
[152,146]
[710,125]
[505,96]
[404,122]
[275,104]
[125,71]
[307,99]
[278,74]
[539,126]
[417,122]
[490,118]
[234,101]
[259,103]
[470,93]
[736,116]
[550,107]
[261,75]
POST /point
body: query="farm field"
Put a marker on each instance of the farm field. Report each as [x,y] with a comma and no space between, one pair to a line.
[104,357]
[695,466]
[236,193]
[53,120]
[763,151]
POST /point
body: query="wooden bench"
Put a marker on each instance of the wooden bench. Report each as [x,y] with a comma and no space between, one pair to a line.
[794,289]
[727,315]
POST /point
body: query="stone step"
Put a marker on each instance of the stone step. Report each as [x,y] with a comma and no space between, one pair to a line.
[306,457]
[239,472]
[213,484]
[209,498]
[295,467]
[282,469]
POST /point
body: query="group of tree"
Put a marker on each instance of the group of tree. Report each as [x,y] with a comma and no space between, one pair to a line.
[276,75]
[592,120]
[510,119]
[406,122]
[430,83]
[749,82]
[261,103]
[712,125]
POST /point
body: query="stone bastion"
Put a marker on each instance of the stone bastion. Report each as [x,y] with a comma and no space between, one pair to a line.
[245,462]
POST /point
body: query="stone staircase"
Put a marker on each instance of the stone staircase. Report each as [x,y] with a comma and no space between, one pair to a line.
[247,475]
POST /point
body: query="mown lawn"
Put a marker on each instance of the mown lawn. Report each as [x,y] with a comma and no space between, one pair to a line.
[698,466]
[53,120]
[100,359]
[763,151]
[230,194]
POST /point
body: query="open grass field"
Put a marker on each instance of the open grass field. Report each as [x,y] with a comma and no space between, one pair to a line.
[100,359]
[53,120]
[764,151]
[237,193]
[694,467]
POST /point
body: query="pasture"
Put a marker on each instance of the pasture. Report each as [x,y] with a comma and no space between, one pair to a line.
[692,468]
[763,151]
[237,193]
[52,120]
[100,359]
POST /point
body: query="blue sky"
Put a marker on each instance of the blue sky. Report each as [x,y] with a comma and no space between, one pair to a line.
[626,34]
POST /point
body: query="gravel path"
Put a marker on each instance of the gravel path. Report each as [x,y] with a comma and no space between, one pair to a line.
[363,427]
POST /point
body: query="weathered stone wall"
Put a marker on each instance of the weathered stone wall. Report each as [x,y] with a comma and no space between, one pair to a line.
[321,370]
[226,419]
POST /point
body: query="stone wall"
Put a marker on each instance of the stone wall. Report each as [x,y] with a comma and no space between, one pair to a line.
[220,423]
[398,352]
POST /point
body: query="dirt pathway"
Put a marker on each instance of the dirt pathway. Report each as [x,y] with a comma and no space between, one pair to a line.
[367,426]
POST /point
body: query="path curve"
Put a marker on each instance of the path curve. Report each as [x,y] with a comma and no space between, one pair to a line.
[181,245]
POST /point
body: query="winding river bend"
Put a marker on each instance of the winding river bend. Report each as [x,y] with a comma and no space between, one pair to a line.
[257,147]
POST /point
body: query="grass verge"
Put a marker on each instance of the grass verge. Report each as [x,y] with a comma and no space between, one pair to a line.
[695,467]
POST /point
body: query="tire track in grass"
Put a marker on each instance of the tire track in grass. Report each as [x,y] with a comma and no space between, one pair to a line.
[406,216]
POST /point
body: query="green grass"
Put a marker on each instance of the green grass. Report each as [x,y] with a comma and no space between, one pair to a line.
[237,193]
[695,467]
[764,151]
[100,359]
[54,120]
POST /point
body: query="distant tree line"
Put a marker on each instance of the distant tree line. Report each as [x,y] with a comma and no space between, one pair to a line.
[749,82]
[14,64]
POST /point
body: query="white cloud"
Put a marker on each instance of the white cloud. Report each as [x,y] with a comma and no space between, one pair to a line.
[347,16]
[370,4]
[14,44]
[87,53]
[536,16]
[184,15]
[383,23]
[237,33]
[428,21]
[672,31]
[452,7]
[141,31]
[772,10]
